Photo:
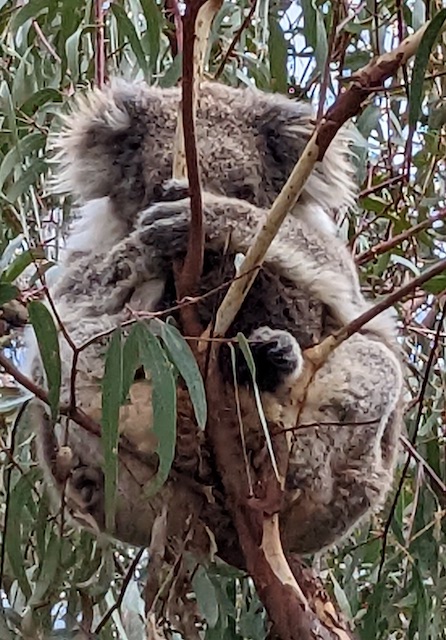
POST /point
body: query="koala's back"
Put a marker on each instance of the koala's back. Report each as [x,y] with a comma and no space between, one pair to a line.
[118,143]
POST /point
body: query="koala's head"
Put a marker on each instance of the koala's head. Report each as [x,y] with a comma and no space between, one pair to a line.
[118,142]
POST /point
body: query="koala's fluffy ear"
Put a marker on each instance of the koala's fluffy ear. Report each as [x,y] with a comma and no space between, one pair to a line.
[285,128]
[102,144]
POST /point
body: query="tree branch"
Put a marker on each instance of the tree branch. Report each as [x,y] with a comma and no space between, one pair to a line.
[347,105]
[383,247]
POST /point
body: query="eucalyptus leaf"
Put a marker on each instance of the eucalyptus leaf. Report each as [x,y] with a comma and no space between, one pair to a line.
[111,402]
[47,339]
[155,361]
[182,357]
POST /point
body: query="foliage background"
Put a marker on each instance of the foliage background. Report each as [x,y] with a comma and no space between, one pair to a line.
[390,577]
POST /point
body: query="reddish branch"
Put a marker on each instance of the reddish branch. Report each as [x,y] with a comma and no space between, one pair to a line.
[389,301]
[99,50]
[383,247]
[290,614]
[193,264]
[81,418]
[361,84]
[174,16]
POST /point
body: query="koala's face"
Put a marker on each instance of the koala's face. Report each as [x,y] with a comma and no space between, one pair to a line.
[119,143]
[245,139]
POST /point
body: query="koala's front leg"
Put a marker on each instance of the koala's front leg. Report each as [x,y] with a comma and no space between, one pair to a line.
[164,227]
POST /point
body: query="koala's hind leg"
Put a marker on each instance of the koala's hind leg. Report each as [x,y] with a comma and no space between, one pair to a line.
[344,447]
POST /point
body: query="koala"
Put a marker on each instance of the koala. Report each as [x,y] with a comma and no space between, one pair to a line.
[114,156]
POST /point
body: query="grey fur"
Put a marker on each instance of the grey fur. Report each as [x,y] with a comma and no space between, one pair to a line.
[115,155]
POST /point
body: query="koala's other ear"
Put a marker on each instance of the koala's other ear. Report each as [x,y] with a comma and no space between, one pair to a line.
[284,129]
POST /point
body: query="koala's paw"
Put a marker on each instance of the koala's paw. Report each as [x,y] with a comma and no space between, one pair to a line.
[165,227]
[172,190]
[277,356]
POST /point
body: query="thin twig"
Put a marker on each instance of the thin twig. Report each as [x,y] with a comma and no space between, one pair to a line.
[148,315]
[235,40]
[173,15]
[326,73]
[81,418]
[120,598]
[44,40]
[413,438]
[99,51]
[8,487]
[383,247]
[389,301]
[419,458]
[381,185]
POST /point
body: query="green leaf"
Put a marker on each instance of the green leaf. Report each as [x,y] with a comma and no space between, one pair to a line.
[7,292]
[182,357]
[111,402]
[39,98]
[164,401]
[278,56]
[47,339]
[127,29]
[7,106]
[29,11]
[173,73]
[314,32]
[17,500]
[22,261]
[244,348]
[130,362]
[72,53]
[206,596]
[29,177]
[48,570]
[420,65]
[12,398]
[153,34]
[27,145]
[435,285]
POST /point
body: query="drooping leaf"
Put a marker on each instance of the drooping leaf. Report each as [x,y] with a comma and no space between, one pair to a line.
[244,348]
[47,339]
[182,357]
[420,65]
[127,28]
[20,263]
[130,361]
[25,147]
[50,564]
[206,596]
[13,541]
[153,35]
[29,11]
[111,402]
[315,32]
[278,56]
[164,398]
[7,292]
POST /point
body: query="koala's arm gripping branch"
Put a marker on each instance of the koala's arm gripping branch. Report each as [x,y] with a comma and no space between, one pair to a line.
[348,104]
